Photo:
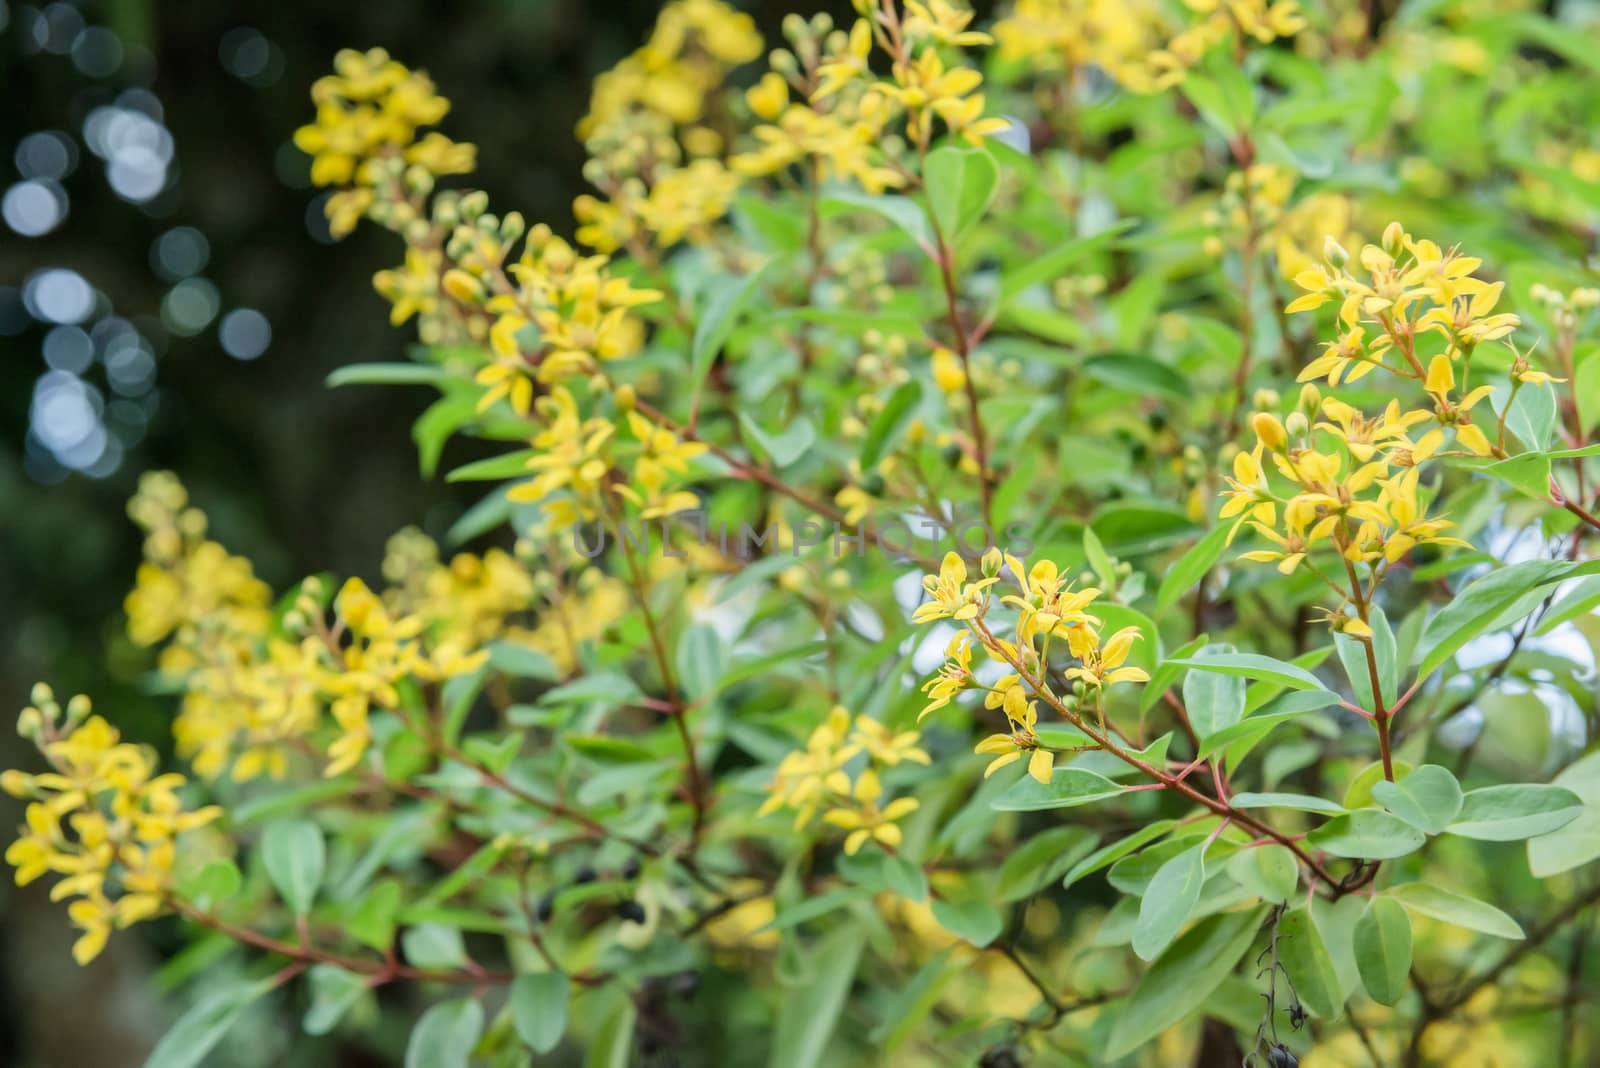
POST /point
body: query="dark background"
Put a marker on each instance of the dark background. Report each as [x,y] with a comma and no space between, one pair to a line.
[296,476]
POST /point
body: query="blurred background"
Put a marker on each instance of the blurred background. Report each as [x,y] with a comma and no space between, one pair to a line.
[170,298]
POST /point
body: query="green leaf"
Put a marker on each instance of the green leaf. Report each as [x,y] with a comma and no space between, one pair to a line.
[786,446]
[890,422]
[1582,598]
[1531,416]
[812,907]
[218,881]
[1270,872]
[1359,793]
[1497,599]
[434,945]
[1428,798]
[495,468]
[1254,666]
[612,687]
[913,1002]
[1383,950]
[1099,562]
[539,1009]
[1300,802]
[1067,788]
[1451,907]
[198,1030]
[701,658]
[1110,854]
[1579,841]
[1135,374]
[387,374]
[1045,268]
[1041,860]
[333,991]
[294,855]
[1182,978]
[904,212]
[520,661]
[1516,811]
[445,1035]
[1353,655]
[435,425]
[808,1014]
[960,182]
[1215,700]
[1168,902]
[373,921]
[975,920]
[715,321]
[1305,958]
[1252,729]
[1190,568]
[1367,834]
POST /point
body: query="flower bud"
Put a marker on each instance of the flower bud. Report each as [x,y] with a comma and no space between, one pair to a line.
[1394,238]
[1334,253]
[992,562]
[1269,431]
[1310,399]
[1297,424]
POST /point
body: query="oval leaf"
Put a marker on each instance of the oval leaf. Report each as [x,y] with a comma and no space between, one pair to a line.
[1383,950]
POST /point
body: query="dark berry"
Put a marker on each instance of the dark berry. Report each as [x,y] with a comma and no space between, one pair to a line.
[631,911]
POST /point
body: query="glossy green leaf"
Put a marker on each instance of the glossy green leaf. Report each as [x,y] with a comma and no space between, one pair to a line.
[1182,978]
[1456,908]
[1383,949]
[1067,788]
[1215,700]
[1515,811]
[1189,569]
[1304,956]
[294,855]
[333,991]
[975,920]
[190,1041]
[445,1035]
[1427,797]
[1367,834]
[1169,901]
[539,1009]
[1269,871]
[960,184]
[1578,842]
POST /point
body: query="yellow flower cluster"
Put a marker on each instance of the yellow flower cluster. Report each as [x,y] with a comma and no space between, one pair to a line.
[1046,608]
[253,690]
[654,149]
[578,465]
[843,121]
[1142,44]
[1354,490]
[365,134]
[817,776]
[1355,477]
[1411,288]
[101,817]
[566,314]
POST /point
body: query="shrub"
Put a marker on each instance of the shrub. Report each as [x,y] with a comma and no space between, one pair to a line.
[1016,312]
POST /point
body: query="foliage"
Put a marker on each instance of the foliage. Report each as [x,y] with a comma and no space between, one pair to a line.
[1015,311]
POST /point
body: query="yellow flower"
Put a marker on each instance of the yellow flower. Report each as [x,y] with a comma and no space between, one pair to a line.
[955,674]
[124,821]
[1103,666]
[866,821]
[1010,747]
[952,596]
